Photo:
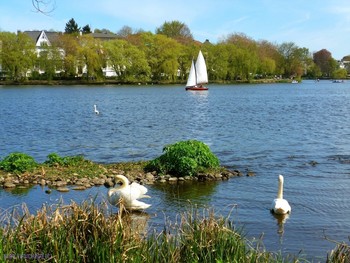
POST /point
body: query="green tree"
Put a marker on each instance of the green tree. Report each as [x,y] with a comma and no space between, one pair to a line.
[339,73]
[129,63]
[162,54]
[17,54]
[49,61]
[86,30]
[295,59]
[72,27]
[91,57]
[69,43]
[176,30]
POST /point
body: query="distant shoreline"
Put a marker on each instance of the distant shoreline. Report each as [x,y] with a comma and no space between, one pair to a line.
[114,82]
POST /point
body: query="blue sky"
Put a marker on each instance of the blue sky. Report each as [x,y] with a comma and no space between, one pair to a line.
[314,24]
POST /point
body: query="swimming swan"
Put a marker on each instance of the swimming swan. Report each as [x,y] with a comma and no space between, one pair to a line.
[127,194]
[95,108]
[280,206]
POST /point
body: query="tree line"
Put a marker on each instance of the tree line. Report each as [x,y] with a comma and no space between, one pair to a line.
[163,56]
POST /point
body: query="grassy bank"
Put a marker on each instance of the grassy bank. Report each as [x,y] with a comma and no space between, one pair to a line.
[90,233]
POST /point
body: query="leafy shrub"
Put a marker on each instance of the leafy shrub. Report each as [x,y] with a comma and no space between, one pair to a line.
[55,159]
[184,158]
[18,163]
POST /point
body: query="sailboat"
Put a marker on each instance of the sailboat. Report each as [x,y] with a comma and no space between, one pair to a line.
[198,74]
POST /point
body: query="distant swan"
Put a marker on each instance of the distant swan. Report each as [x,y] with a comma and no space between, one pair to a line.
[96,111]
[127,194]
[280,206]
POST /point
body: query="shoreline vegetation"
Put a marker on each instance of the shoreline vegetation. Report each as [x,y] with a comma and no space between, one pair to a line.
[116,82]
[90,232]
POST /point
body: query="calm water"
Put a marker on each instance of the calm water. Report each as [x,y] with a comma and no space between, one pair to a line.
[269,129]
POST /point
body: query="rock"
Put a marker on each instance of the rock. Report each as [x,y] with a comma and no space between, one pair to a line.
[250,173]
[149,176]
[98,181]
[9,185]
[172,179]
[60,183]
[80,187]
[48,191]
[218,176]
[63,189]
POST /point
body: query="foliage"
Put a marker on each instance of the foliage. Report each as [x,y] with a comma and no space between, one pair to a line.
[17,54]
[86,30]
[341,254]
[53,159]
[72,27]
[89,232]
[184,158]
[162,57]
[175,29]
[340,73]
[18,163]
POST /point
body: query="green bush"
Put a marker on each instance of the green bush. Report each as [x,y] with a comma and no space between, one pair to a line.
[18,163]
[55,159]
[184,158]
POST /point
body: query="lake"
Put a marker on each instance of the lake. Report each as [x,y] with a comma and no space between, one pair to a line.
[301,131]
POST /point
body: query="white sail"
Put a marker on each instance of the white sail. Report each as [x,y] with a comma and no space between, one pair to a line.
[201,69]
[192,76]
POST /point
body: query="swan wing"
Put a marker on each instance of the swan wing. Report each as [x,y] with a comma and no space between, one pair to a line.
[133,192]
[137,205]
[138,188]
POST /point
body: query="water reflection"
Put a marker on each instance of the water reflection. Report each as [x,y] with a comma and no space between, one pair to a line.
[178,193]
[281,220]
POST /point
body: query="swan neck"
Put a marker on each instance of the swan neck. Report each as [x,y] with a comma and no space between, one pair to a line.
[280,189]
[124,180]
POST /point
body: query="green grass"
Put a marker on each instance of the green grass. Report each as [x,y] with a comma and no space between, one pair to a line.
[90,233]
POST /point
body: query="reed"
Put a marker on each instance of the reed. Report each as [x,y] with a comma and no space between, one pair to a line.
[89,232]
[341,254]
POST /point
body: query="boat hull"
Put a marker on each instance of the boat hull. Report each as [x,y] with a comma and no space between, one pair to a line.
[196,88]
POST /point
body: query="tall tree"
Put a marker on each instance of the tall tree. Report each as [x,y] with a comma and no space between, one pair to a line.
[91,56]
[129,62]
[323,59]
[70,46]
[71,27]
[86,30]
[17,54]
[125,31]
[176,30]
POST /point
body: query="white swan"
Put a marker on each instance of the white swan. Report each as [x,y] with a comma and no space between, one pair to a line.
[280,206]
[95,108]
[127,194]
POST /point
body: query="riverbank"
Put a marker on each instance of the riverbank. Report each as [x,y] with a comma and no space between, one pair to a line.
[86,174]
[71,82]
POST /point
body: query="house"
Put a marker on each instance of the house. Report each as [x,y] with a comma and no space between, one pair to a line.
[44,38]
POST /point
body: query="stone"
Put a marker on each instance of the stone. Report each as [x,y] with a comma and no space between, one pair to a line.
[79,188]
[63,189]
[9,185]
